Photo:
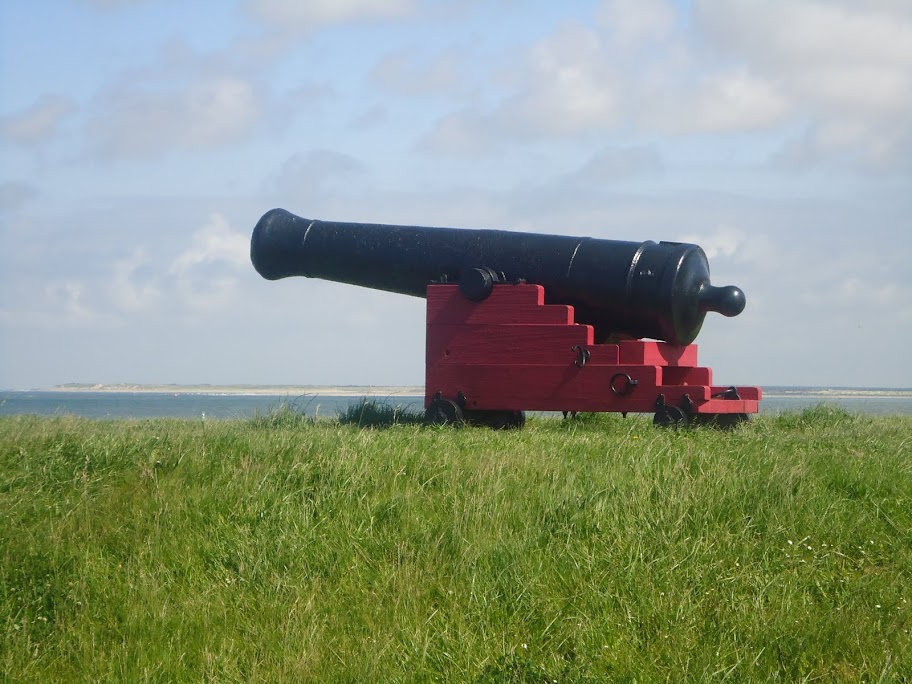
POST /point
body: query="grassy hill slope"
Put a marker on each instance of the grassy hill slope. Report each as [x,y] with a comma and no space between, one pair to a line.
[590,550]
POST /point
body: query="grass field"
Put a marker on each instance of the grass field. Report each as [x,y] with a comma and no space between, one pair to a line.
[592,550]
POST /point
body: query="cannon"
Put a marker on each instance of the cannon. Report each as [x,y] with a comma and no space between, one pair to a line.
[523,321]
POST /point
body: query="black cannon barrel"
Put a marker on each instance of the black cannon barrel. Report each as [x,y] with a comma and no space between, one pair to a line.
[623,289]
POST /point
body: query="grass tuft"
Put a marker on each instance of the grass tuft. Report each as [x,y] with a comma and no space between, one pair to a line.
[378,414]
[284,415]
[824,415]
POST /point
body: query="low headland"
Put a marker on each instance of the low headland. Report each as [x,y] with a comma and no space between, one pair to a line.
[263,390]
[823,393]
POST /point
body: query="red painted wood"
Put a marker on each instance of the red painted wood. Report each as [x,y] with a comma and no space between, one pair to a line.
[728,406]
[509,344]
[507,304]
[657,353]
[686,375]
[513,352]
[538,388]
[554,388]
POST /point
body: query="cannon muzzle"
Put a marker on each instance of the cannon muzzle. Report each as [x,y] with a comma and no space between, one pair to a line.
[623,289]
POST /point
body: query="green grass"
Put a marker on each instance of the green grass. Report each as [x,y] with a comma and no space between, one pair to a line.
[374,413]
[590,550]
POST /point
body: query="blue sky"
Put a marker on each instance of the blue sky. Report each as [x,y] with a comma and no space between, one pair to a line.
[141,140]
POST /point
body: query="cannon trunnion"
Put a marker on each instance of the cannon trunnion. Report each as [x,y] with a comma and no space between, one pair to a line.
[522,321]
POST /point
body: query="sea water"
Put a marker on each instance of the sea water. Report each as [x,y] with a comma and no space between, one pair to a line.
[176,404]
[89,404]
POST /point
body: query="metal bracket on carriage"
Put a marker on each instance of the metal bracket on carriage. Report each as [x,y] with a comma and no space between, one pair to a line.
[622,384]
[731,393]
[667,415]
[582,355]
[687,404]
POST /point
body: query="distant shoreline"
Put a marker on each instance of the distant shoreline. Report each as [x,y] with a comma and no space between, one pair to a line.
[250,390]
[823,393]
[837,392]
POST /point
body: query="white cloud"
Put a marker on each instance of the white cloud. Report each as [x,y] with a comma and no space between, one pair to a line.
[723,242]
[731,101]
[809,34]
[836,76]
[206,272]
[566,87]
[69,295]
[632,22]
[127,292]
[737,250]
[114,4]
[613,163]
[56,305]
[134,121]
[845,68]
[877,294]
[570,87]
[314,13]
[214,243]
[405,72]
[39,122]
[306,175]
[465,133]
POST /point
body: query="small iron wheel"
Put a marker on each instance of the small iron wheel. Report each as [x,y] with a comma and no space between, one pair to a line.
[670,416]
[497,420]
[444,412]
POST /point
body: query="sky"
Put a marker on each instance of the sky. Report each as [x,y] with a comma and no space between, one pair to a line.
[141,140]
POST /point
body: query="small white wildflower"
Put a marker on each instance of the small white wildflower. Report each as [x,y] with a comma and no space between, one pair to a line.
[525,645]
[790,542]
[877,606]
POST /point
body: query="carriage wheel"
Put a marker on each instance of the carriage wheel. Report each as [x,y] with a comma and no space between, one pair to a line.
[444,412]
[498,420]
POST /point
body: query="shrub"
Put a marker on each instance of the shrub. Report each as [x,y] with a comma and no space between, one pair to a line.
[372,413]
